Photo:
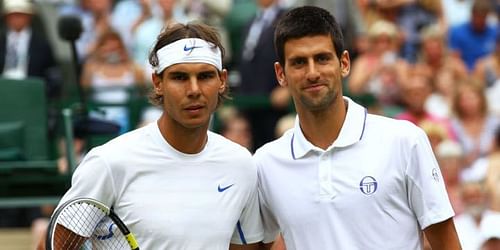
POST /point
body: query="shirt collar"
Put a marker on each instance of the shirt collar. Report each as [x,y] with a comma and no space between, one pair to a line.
[351,132]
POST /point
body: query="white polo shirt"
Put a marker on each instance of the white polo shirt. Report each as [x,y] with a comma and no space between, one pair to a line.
[172,200]
[375,187]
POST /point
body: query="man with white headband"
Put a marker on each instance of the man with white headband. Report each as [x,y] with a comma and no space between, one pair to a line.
[175,184]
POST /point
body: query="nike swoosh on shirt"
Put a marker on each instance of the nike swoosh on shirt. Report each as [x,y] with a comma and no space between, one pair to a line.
[222,189]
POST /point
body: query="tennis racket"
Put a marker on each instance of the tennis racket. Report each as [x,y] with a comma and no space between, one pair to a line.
[85,223]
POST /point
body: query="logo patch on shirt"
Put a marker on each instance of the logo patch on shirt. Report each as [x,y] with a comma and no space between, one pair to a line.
[222,189]
[102,234]
[368,185]
[435,174]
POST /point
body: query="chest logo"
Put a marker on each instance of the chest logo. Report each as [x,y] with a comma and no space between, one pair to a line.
[222,189]
[368,185]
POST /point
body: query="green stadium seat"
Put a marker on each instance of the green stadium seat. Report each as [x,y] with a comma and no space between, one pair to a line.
[27,174]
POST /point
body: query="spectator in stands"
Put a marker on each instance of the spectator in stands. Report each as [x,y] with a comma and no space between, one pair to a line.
[25,51]
[145,32]
[211,12]
[450,158]
[493,174]
[255,65]
[410,16]
[440,100]
[110,75]
[237,129]
[435,56]
[490,232]
[379,71]
[436,133]
[472,122]
[474,39]
[468,223]
[95,16]
[415,91]
[487,70]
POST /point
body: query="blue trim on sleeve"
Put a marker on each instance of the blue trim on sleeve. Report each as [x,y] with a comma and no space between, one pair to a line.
[240,232]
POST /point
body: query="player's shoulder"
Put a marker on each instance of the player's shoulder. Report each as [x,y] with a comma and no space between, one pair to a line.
[223,145]
[127,141]
[275,147]
[391,127]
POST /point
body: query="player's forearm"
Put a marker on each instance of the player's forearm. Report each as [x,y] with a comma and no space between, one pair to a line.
[443,236]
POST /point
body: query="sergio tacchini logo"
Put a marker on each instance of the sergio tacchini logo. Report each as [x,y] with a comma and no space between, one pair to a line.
[368,185]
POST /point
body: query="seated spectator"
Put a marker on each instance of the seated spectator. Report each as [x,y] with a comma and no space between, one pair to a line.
[493,174]
[474,39]
[487,69]
[255,65]
[379,71]
[25,51]
[435,56]
[415,91]
[490,232]
[449,155]
[109,74]
[436,133]
[237,129]
[144,33]
[440,101]
[95,16]
[469,222]
[472,122]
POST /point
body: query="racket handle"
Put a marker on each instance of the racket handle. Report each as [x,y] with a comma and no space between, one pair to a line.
[131,240]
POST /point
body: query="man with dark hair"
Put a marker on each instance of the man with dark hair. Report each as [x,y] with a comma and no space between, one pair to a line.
[342,178]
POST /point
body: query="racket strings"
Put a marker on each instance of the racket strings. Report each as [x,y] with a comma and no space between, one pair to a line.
[90,228]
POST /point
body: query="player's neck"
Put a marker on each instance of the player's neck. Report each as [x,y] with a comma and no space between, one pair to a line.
[185,140]
[323,128]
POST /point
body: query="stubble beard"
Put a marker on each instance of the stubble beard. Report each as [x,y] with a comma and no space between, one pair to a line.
[319,103]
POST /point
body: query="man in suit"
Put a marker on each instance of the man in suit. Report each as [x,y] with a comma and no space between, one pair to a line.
[24,49]
[26,52]
[256,68]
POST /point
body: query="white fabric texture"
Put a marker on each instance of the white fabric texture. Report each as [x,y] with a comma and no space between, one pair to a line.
[376,187]
[188,50]
[172,200]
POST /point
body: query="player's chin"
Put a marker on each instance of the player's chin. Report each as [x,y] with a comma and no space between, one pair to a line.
[196,122]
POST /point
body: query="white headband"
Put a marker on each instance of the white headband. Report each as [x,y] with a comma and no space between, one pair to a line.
[188,50]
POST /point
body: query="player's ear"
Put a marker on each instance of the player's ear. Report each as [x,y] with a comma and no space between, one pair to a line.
[280,74]
[223,79]
[345,63]
[156,79]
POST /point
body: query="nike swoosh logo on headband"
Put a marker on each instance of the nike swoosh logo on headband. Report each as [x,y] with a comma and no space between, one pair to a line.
[190,48]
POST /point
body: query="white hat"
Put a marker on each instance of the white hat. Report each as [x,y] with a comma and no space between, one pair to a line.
[17,6]
[449,148]
[490,226]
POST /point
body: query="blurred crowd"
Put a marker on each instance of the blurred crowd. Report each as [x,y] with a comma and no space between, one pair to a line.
[435,63]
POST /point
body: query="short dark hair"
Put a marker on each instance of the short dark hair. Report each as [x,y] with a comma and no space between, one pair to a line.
[307,21]
[177,31]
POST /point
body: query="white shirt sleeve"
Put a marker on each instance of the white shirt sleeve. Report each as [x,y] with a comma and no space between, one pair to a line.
[92,179]
[249,228]
[426,189]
